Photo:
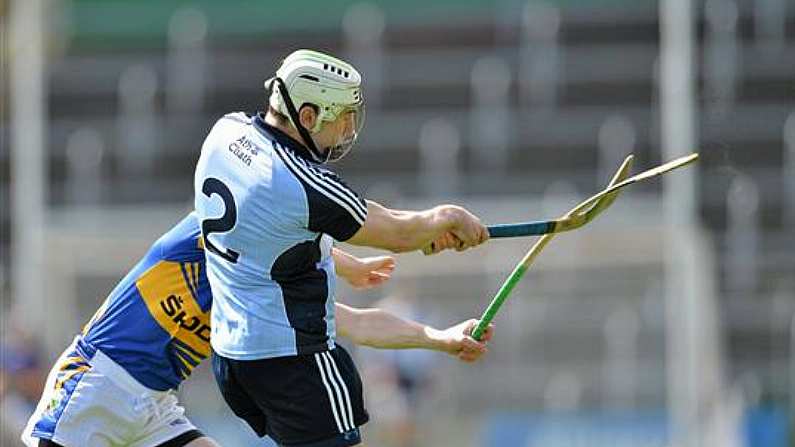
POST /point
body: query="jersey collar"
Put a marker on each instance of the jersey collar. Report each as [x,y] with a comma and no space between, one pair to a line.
[273,133]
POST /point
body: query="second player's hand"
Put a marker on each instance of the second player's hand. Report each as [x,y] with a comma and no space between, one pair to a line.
[370,272]
[457,340]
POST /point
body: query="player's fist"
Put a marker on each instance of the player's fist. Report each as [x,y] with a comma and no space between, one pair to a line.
[459,230]
[459,341]
[446,241]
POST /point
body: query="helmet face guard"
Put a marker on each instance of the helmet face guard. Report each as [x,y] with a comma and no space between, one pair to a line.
[354,114]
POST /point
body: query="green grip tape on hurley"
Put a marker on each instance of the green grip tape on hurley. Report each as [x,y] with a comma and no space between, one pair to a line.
[499,298]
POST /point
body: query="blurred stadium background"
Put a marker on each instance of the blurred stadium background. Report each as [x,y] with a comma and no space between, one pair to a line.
[670,321]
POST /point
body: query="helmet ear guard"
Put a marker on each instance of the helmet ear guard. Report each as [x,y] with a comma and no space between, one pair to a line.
[292,113]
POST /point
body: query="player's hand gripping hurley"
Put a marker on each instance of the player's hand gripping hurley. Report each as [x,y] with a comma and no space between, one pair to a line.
[573,219]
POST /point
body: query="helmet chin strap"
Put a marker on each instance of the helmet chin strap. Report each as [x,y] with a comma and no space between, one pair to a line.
[310,143]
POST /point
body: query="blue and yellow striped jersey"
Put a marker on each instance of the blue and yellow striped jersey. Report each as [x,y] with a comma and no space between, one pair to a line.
[156,322]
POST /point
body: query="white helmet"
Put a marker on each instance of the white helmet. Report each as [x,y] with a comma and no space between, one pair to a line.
[331,84]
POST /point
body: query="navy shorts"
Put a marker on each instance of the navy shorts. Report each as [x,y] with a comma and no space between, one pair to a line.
[308,400]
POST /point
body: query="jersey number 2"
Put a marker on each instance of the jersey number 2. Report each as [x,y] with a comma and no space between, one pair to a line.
[222,224]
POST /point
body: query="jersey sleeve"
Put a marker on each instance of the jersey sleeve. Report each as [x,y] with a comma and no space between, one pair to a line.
[334,208]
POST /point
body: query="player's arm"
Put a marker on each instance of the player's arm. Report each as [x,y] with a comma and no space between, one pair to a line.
[362,273]
[378,328]
[402,231]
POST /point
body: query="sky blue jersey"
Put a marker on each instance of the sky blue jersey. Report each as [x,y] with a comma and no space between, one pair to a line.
[156,321]
[268,215]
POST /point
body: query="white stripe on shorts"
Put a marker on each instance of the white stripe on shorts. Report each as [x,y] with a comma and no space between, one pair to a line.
[328,390]
[344,388]
[346,422]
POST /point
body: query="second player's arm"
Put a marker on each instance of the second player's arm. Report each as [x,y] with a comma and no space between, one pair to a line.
[381,329]
[402,231]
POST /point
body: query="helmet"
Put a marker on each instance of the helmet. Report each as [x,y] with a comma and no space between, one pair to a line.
[331,84]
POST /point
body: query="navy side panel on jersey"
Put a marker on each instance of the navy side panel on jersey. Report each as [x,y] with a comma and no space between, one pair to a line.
[274,214]
[155,323]
[304,288]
